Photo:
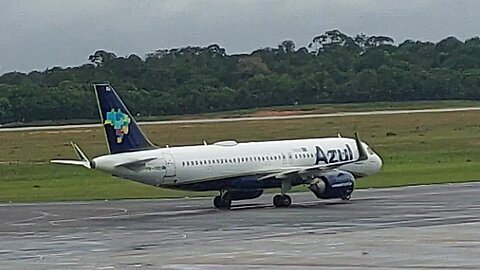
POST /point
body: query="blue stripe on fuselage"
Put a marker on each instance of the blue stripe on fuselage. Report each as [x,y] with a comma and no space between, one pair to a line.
[236,183]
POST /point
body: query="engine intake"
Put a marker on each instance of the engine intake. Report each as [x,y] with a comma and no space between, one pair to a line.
[336,184]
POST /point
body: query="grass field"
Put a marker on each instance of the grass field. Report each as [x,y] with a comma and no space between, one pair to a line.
[420,148]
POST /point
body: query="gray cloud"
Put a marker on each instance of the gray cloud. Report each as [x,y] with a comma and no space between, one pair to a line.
[45,33]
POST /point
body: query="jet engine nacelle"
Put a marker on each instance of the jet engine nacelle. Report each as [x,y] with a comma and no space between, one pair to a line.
[336,184]
[236,195]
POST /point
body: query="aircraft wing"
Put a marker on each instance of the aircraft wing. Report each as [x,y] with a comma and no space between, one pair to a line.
[303,171]
[316,169]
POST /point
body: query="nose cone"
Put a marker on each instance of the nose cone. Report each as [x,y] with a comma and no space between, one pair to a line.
[377,163]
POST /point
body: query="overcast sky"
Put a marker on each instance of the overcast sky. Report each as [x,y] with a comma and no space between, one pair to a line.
[36,34]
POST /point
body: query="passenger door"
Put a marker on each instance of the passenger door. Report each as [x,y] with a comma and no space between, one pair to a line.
[288,161]
[170,165]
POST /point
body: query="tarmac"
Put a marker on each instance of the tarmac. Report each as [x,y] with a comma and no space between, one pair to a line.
[423,227]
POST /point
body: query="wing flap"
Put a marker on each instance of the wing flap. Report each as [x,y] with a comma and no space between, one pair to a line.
[280,175]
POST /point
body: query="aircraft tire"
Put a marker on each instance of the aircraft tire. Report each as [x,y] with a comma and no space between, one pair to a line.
[282,200]
[346,197]
[222,203]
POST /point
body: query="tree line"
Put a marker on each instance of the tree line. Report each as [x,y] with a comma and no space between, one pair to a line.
[333,68]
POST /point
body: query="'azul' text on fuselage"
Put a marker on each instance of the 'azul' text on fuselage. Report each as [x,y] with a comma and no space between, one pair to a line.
[333,155]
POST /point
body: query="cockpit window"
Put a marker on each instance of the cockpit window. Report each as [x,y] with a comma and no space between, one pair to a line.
[370,151]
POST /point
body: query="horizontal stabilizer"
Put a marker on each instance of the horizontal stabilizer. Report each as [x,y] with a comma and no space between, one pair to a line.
[84,161]
[72,162]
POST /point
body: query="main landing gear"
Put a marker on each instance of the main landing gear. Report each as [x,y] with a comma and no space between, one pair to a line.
[282,200]
[222,202]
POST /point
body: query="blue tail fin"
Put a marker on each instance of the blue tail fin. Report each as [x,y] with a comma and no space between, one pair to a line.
[121,130]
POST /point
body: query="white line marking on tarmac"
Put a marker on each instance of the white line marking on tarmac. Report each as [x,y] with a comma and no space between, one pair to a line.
[25,222]
[253,118]
[166,213]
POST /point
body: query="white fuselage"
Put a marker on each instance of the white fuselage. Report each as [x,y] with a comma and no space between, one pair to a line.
[181,167]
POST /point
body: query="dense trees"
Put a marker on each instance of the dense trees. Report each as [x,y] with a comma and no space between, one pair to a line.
[332,68]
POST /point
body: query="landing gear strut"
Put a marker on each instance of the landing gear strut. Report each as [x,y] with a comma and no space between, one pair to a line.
[222,202]
[282,200]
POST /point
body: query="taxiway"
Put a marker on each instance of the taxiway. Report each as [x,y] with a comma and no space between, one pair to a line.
[250,118]
[424,227]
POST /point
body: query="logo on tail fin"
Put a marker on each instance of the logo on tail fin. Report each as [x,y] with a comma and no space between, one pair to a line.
[119,121]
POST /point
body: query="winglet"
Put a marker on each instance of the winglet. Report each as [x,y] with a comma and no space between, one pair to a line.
[362,152]
[84,161]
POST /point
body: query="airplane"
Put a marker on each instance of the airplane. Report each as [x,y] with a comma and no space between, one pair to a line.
[329,167]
